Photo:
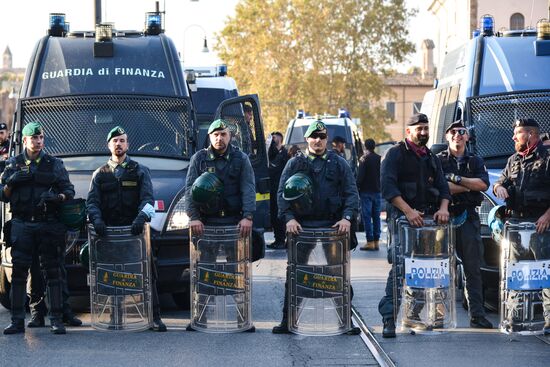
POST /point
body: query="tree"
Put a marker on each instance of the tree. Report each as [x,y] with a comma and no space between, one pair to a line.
[317,55]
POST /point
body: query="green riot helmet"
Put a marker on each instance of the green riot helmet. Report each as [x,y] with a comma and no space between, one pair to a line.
[84,255]
[298,191]
[207,191]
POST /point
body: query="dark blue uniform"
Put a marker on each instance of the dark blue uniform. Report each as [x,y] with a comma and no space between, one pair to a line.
[468,235]
[420,182]
[35,225]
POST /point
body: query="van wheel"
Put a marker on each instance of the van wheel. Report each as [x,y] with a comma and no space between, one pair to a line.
[5,287]
[182,300]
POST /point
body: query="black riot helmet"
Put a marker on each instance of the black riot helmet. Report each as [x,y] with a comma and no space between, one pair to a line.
[298,191]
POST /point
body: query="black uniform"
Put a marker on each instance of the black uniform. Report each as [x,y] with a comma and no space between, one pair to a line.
[118,193]
[527,180]
[35,225]
[468,235]
[335,195]
[420,182]
[277,162]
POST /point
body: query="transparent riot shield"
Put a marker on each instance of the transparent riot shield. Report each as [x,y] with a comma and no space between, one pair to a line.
[424,272]
[319,282]
[525,273]
[221,275]
[120,279]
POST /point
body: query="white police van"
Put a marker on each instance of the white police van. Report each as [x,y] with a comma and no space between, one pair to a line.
[337,125]
[490,81]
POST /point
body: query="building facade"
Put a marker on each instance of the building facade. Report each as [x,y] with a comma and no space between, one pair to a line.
[457,19]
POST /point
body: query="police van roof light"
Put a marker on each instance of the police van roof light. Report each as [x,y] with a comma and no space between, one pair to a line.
[104,32]
[103,45]
[300,114]
[475,33]
[153,23]
[543,29]
[57,25]
[487,25]
[221,69]
[343,113]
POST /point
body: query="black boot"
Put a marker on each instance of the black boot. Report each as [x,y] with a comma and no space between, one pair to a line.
[71,320]
[282,328]
[57,326]
[480,322]
[36,321]
[389,328]
[17,326]
[158,325]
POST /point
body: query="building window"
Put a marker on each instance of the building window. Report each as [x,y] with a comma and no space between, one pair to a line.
[517,22]
[390,110]
[416,107]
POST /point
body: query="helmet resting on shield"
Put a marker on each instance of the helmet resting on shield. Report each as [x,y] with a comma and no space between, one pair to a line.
[207,191]
[298,191]
[495,221]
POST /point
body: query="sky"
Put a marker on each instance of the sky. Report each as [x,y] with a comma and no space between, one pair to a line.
[187,22]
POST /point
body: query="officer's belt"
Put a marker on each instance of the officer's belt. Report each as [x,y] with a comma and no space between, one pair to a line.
[525,214]
[35,218]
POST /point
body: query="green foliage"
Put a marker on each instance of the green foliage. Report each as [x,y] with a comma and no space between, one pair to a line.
[316,55]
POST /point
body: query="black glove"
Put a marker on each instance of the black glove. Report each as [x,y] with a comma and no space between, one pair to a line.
[49,197]
[100,227]
[138,223]
[18,177]
[456,179]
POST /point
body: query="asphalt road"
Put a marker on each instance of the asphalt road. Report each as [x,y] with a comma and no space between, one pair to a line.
[83,346]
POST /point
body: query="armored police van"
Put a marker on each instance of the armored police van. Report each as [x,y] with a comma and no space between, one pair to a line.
[489,82]
[341,125]
[79,85]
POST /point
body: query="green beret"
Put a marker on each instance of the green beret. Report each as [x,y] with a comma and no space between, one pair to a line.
[32,128]
[116,131]
[219,124]
[317,125]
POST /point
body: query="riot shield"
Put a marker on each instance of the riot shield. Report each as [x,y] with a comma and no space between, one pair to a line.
[525,272]
[424,273]
[319,282]
[120,279]
[221,276]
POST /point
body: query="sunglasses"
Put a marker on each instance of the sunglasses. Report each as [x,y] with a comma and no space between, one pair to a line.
[321,136]
[458,131]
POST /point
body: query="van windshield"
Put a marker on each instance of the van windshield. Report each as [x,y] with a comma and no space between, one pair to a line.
[77,125]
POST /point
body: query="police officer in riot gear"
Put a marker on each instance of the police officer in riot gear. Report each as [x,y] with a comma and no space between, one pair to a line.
[35,183]
[335,199]
[121,194]
[220,190]
[412,181]
[467,177]
[525,185]
[233,169]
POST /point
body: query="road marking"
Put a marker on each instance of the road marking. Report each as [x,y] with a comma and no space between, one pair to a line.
[370,341]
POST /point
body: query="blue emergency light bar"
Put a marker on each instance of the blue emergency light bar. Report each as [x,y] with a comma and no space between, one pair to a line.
[487,25]
[153,23]
[343,113]
[300,114]
[57,25]
[221,70]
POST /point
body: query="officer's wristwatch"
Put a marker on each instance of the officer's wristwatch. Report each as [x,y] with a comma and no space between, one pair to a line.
[249,217]
[458,179]
[347,217]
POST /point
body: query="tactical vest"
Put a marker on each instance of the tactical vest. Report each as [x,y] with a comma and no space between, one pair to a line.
[464,200]
[415,180]
[25,198]
[328,203]
[230,176]
[530,192]
[119,197]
